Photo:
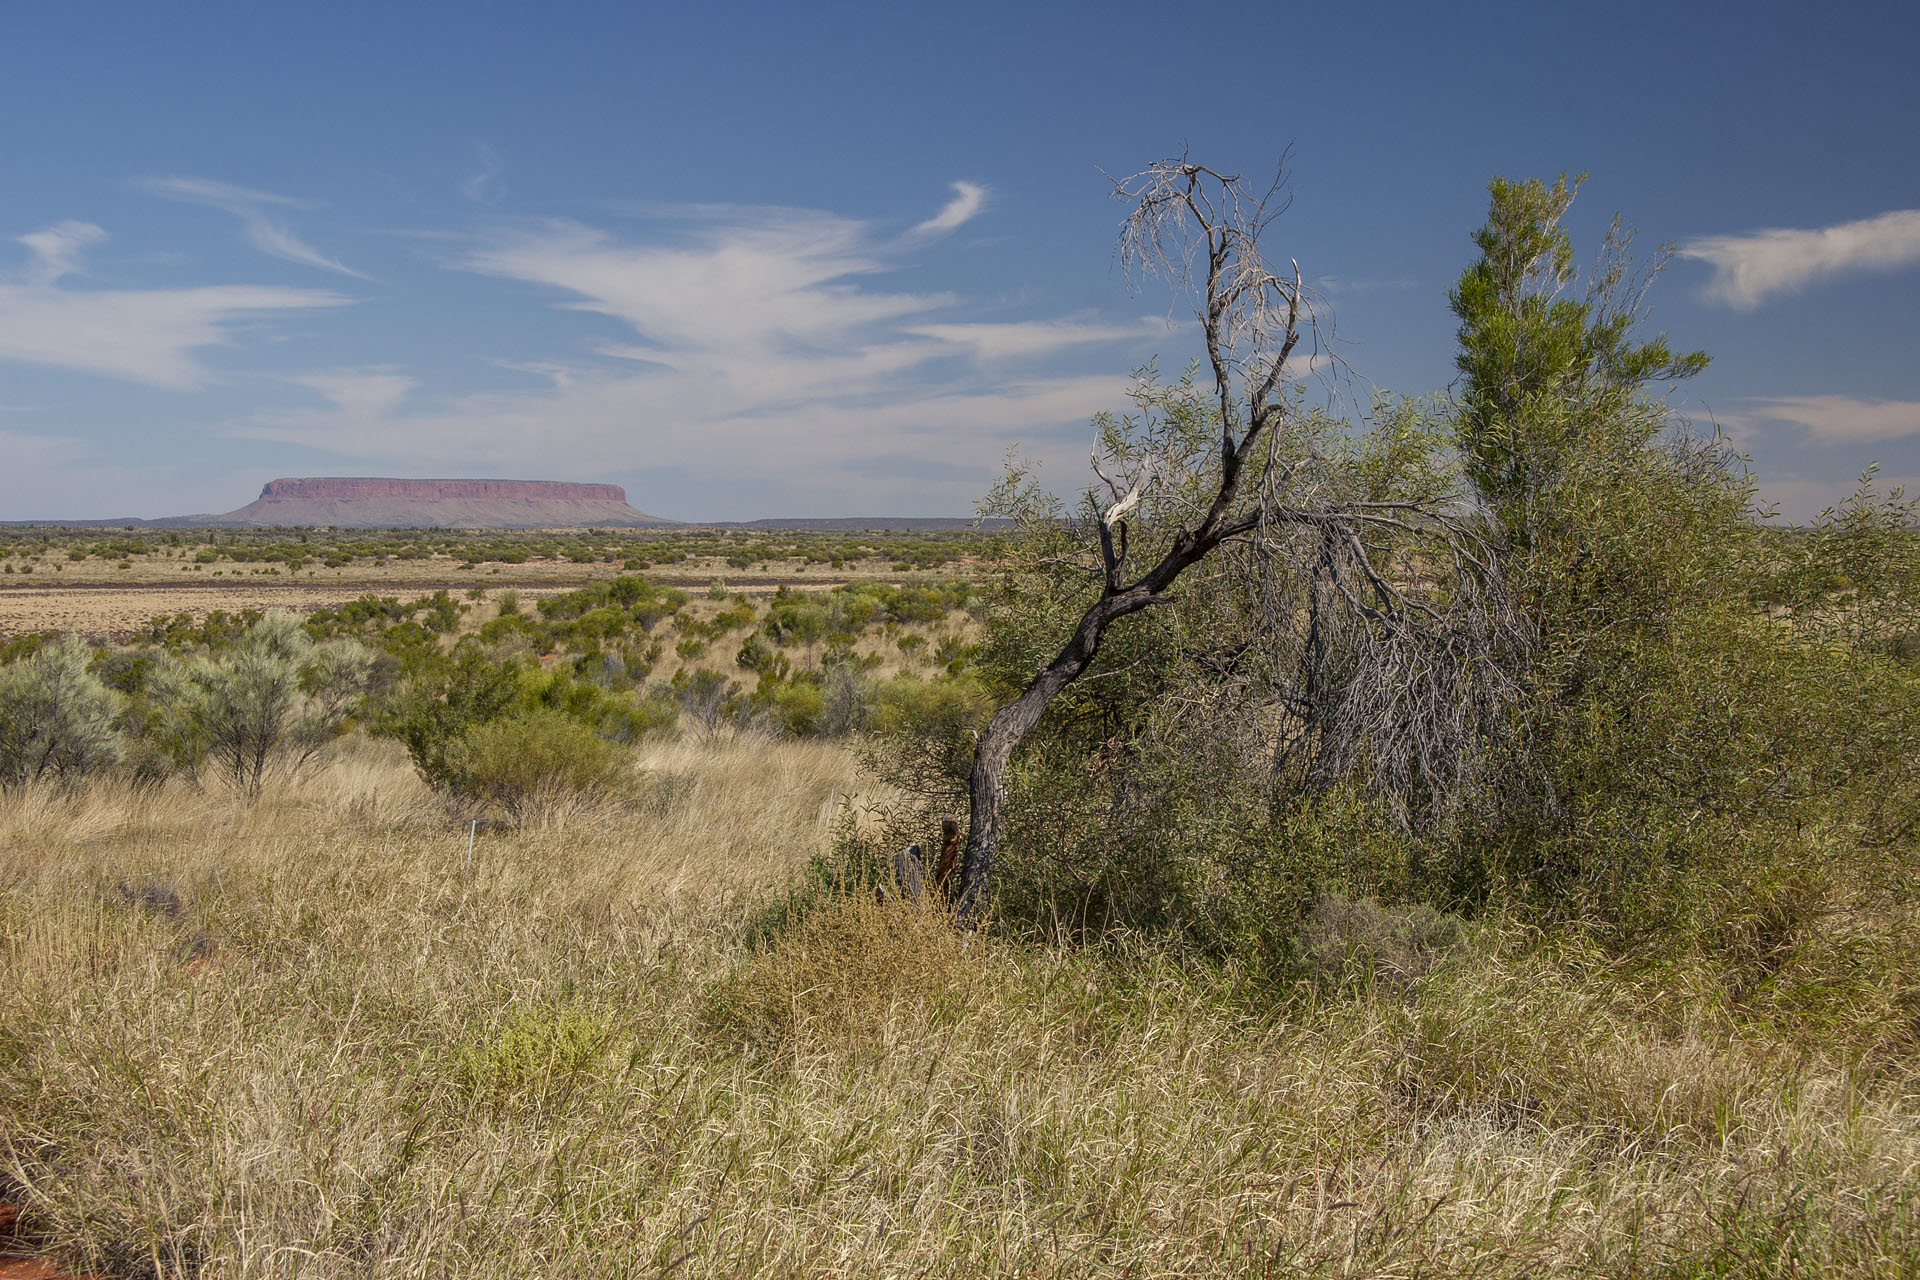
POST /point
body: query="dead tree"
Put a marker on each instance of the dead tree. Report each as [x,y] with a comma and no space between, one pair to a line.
[1201,229]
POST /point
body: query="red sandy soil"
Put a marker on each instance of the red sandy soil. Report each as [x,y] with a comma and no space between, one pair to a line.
[14,1266]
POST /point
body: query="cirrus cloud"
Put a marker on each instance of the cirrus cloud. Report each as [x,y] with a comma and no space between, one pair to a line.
[758,350]
[270,237]
[969,199]
[59,249]
[1833,419]
[138,335]
[1750,268]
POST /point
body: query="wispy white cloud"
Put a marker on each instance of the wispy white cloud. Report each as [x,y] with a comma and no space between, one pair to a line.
[363,394]
[58,250]
[753,281]
[140,335]
[488,186]
[1829,419]
[1305,364]
[1752,267]
[1337,286]
[1029,339]
[969,199]
[266,234]
[761,346]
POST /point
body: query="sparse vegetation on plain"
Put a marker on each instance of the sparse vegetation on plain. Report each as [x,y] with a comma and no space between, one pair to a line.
[1493,859]
[112,585]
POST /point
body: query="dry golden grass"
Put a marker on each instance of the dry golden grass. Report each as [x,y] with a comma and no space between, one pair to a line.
[346,1053]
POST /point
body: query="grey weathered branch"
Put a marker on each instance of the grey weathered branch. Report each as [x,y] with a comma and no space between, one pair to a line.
[1404,656]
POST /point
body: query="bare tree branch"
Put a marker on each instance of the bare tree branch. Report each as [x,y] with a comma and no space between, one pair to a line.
[1400,671]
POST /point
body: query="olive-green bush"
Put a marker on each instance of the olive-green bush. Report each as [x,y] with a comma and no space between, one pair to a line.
[530,763]
[57,718]
[1714,740]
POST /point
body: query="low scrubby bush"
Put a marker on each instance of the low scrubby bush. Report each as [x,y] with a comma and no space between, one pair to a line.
[532,762]
[537,1055]
[57,718]
[277,696]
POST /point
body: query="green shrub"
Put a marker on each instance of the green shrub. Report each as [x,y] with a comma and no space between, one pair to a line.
[530,762]
[926,732]
[435,714]
[276,697]
[796,621]
[57,718]
[846,700]
[538,1056]
[797,704]
[618,717]
[755,654]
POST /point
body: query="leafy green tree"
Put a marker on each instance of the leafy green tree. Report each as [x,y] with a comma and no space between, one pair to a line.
[1547,376]
[1676,735]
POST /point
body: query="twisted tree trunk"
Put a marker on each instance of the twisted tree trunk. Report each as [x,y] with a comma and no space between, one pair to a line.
[1433,684]
[1242,302]
[987,785]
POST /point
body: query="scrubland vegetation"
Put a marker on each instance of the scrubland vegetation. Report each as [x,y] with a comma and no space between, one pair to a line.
[302,1035]
[26,549]
[1494,858]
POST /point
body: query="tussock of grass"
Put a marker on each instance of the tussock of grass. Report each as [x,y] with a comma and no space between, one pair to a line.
[566,1060]
[849,973]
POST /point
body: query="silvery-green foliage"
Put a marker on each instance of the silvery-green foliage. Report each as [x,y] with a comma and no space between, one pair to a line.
[56,717]
[172,733]
[279,695]
[847,700]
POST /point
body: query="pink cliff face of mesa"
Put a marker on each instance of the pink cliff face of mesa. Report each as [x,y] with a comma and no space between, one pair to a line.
[364,488]
[375,502]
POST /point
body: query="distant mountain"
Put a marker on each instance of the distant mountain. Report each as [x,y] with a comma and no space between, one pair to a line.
[373,503]
[370,502]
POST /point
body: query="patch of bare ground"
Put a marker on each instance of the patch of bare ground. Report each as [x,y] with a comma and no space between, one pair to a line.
[19,1260]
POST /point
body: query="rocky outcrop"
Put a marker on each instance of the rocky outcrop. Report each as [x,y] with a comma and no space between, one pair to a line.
[367,502]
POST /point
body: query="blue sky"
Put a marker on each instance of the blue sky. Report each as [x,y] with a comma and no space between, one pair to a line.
[755,260]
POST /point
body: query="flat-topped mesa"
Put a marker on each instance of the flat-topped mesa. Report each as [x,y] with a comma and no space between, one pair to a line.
[361,488]
[382,502]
